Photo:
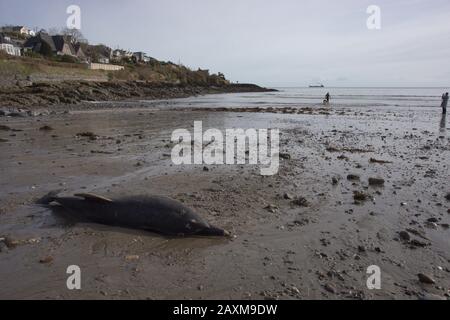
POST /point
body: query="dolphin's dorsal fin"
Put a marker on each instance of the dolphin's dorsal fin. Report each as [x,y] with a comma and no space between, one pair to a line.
[93,197]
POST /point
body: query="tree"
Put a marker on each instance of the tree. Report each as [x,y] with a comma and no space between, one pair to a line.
[74,34]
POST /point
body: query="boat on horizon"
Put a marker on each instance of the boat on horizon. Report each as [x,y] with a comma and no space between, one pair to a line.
[320,85]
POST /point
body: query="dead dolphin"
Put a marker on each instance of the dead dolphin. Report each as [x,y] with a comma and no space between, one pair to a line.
[152,213]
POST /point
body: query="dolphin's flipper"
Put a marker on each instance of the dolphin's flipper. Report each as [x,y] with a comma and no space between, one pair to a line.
[93,197]
[48,198]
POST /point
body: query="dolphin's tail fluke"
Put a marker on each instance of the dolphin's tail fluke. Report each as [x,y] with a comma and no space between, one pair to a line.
[48,198]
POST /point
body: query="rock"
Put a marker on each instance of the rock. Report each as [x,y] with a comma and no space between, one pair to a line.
[417,243]
[448,196]
[285,156]
[425,278]
[87,134]
[361,249]
[46,260]
[301,201]
[376,182]
[330,288]
[271,208]
[4,128]
[205,169]
[373,160]
[46,128]
[334,180]
[288,196]
[360,196]
[404,235]
[433,220]
[431,225]
[132,257]
[3,246]
[353,177]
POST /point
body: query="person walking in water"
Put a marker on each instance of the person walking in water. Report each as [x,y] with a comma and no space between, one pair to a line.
[327,98]
[444,103]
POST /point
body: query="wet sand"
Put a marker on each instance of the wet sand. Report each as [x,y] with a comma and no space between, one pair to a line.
[318,247]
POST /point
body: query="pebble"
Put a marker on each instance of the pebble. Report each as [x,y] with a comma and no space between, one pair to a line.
[132,257]
[353,177]
[330,288]
[376,182]
[404,235]
[45,260]
[426,278]
[288,196]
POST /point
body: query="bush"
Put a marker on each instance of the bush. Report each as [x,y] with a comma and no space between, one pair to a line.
[31,54]
[68,59]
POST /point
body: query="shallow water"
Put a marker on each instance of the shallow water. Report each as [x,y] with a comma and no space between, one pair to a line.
[363,97]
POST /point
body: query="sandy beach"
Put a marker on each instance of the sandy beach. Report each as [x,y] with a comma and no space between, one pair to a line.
[308,232]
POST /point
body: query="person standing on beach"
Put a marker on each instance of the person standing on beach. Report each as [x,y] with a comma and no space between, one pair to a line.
[444,102]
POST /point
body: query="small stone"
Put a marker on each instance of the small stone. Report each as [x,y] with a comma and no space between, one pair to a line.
[353,177]
[46,128]
[288,196]
[132,257]
[376,182]
[46,260]
[301,201]
[330,288]
[404,235]
[418,243]
[271,208]
[426,279]
[359,196]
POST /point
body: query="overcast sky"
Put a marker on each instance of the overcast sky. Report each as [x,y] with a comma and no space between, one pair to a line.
[273,43]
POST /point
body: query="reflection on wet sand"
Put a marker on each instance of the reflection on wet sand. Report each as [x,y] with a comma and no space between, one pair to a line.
[442,124]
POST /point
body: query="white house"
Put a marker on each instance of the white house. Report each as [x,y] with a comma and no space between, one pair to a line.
[141,57]
[120,54]
[20,29]
[8,46]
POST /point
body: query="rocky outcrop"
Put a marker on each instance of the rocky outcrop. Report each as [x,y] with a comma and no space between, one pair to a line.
[58,93]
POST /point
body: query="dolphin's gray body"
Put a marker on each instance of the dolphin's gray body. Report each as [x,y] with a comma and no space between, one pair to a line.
[152,213]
